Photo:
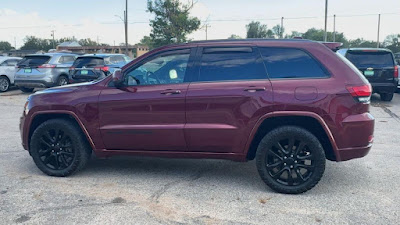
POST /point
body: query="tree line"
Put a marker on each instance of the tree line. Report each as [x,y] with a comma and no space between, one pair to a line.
[172,23]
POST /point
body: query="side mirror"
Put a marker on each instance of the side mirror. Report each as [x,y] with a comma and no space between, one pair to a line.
[118,78]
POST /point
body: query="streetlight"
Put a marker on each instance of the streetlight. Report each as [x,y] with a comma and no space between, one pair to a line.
[125,20]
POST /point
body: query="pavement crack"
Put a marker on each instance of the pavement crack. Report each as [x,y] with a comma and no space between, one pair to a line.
[391,114]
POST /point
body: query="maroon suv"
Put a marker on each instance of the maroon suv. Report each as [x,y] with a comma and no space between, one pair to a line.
[289,104]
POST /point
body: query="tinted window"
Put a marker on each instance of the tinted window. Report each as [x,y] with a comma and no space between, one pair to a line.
[88,62]
[291,63]
[370,58]
[12,62]
[34,60]
[167,69]
[218,64]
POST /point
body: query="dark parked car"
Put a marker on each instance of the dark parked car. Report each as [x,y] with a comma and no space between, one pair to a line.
[43,70]
[288,104]
[378,66]
[95,66]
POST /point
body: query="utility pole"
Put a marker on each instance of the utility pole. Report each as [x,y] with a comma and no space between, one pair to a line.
[334,28]
[326,19]
[98,42]
[207,26]
[126,26]
[54,42]
[281,33]
[379,27]
[15,43]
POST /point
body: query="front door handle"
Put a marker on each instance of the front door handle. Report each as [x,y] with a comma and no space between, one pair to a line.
[170,92]
[254,89]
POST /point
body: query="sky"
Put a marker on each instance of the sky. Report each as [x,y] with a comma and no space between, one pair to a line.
[98,19]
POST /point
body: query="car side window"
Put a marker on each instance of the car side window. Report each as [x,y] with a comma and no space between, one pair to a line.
[117,59]
[291,63]
[67,59]
[4,63]
[9,62]
[231,63]
[164,69]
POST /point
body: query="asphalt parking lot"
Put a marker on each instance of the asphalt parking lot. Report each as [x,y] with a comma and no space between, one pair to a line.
[135,190]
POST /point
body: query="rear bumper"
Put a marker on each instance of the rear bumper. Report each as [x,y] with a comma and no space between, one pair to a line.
[384,87]
[33,83]
[356,137]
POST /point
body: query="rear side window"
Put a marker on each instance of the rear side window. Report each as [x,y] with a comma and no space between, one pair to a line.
[88,62]
[34,60]
[117,59]
[66,59]
[291,63]
[370,58]
[219,64]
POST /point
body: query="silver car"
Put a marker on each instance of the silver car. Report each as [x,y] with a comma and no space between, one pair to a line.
[7,72]
[43,70]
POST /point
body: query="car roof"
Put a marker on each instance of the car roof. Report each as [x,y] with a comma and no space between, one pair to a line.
[367,49]
[53,54]
[100,55]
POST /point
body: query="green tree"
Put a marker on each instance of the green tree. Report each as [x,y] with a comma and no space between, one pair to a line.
[277,30]
[172,21]
[392,42]
[234,36]
[34,43]
[257,30]
[146,40]
[318,35]
[87,42]
[361,43]
[5,46]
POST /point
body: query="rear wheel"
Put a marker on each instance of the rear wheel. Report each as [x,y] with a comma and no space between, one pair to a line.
[387,97]
[26,90]
[4,84]
[290,160]
[62,80]
[59,148]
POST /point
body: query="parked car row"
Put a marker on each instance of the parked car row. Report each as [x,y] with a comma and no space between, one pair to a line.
[56,69]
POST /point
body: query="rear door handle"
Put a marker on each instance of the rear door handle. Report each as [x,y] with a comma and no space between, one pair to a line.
[170,92]
[254,89]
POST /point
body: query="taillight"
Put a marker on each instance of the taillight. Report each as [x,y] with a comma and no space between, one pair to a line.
[396,72]
[361,93]
[47,66]
[102,68]
[72,68]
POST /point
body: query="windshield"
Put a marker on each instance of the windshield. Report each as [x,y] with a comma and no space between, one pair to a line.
[88,62]
[370,58]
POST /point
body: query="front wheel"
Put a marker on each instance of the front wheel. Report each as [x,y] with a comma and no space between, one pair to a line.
[4,84]
[387,97]
[290,160]
[59,148]
[62,80]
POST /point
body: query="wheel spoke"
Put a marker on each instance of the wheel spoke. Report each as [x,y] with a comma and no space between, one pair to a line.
[48,136]
[47,159]
[299,175]
[63,161]
[274,164]
[270,152]
[67,153]
[290,177]
[279,173]
[305,157]
[300,148]
[57,162]
[307,167]
[57,136]
[280,147]
[290,146]
[45,152]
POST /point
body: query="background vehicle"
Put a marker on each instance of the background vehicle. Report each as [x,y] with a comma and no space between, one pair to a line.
[212,99]
[7,72]
[43,70]
[378,66]
[95,66]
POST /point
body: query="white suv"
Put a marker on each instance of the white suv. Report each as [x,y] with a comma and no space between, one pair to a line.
[7,72]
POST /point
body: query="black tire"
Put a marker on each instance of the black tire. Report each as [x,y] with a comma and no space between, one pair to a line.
[306,160]
[26,90]
[387,97]
[4,84]
[59,148]
[62,80]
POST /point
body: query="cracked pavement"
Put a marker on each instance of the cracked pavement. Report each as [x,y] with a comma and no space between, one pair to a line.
[138,190]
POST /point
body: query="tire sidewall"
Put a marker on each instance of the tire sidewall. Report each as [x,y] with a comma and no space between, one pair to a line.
[77,143]
[7,80]
[300,134]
